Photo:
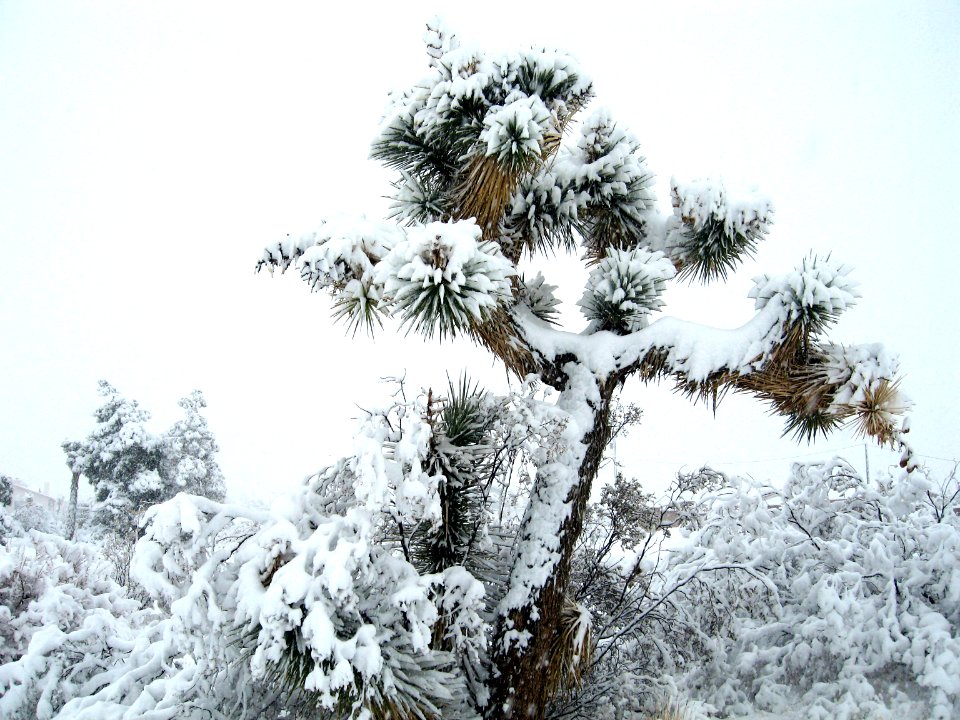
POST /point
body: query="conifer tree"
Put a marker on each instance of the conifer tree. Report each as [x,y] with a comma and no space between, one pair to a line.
[189,448]
[121,459]
[485,179]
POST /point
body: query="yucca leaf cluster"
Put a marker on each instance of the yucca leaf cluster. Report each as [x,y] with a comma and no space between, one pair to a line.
[813,295]
[460,454]
[624,288]
[510,108]
[713,229]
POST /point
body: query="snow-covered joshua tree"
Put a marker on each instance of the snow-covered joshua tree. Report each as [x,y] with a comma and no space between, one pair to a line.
[484,179]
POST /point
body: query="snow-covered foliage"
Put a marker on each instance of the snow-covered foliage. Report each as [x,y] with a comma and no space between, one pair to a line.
[188,452]
[368,592]
[712,228]
[120,457]
[8,525]
[600,188]
[813,294]
[497,103]
[624,289]
[6,491]
[132,468]
[538,296]
[63,622]
[434,275]
[444,275]
[514,133]
[32,516]
[861,613]
[377,588]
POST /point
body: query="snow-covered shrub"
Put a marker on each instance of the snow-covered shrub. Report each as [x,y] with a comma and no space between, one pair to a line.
[358,595]
[865,618]
[646,629]
[33,516]
[62,622]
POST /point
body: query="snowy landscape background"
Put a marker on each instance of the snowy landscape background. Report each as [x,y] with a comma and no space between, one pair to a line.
[151,151]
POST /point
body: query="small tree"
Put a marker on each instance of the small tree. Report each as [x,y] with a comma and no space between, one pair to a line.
[121,459]
[6,491]
[483,181]
[188,453]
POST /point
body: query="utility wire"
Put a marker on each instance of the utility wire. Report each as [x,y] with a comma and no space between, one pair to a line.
[745,462]
[934,457]
[785,457]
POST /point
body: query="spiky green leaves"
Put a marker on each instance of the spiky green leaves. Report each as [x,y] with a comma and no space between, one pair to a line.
[514,133]
[340,257]
[510,108]
[444,276]
[418,199]
[434,276]
[813,295]
[538,295]
[543,211]
[624,289]
[712,229]
[601,190]
[610,174]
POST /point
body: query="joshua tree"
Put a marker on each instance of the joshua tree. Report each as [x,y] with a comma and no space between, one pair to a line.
[484,180]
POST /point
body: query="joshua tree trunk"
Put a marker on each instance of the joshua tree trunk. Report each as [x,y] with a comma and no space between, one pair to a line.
[523,684]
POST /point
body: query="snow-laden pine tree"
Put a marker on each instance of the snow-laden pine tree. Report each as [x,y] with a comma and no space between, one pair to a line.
[485,179]
[189,449]
[132,468]
[121,459]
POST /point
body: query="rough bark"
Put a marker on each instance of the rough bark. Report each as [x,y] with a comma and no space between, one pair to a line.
[519,688]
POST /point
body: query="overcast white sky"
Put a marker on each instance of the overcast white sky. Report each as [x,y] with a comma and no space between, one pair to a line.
[148,151]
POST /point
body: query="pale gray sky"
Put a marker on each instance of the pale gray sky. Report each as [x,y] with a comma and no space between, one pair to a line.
[149,151]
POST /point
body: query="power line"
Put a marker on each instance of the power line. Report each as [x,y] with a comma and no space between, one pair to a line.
[785,457]
[934,457]
[745,462]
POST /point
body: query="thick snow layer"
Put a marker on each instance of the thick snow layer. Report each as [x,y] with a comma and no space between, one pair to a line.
[628,285]
[538,548]
[741,211]
[694,349]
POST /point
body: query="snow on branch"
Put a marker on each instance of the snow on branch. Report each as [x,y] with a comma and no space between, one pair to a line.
[438,275]
[713,228]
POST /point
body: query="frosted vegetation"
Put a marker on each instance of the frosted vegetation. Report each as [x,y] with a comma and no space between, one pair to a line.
[459,561]
[830,593]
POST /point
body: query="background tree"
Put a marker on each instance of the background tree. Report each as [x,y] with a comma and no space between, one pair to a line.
[6,491]
[131,468]
[121,459]
[75,461]
[7,524]
[484,180]
[189,448]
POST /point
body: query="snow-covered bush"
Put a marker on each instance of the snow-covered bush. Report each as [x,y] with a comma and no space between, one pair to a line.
[360,594]
[646,628]
[62,622]
[33,516]
[864,619]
